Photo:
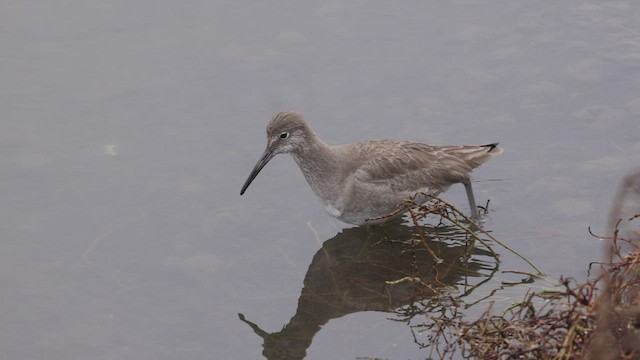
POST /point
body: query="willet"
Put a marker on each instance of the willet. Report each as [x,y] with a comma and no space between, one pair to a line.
[369,179]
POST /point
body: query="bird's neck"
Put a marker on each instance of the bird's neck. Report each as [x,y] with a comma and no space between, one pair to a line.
[320,166]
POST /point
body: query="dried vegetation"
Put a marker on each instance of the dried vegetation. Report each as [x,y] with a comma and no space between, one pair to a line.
[596,319]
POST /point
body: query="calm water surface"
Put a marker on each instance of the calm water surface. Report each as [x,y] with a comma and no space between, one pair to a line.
[128,129]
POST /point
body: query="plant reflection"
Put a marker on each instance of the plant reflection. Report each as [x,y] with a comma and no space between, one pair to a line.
[393,268]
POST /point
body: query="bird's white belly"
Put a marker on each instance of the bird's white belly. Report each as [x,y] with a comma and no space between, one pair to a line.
[353,217]
[343,215]
[365,205]
[332,210]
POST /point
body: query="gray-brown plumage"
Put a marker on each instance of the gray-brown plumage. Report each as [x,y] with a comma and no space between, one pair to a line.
[369,179]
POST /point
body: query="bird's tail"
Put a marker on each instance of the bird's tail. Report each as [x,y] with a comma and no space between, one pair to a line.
[475,155]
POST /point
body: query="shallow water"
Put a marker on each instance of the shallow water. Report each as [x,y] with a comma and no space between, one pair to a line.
[128,129]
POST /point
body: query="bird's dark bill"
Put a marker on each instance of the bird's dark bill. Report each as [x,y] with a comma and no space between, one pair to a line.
[264,159]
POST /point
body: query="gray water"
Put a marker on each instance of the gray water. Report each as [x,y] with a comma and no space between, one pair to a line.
[128,128]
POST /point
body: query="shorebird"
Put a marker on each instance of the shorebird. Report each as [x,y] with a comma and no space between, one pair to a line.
[362,182]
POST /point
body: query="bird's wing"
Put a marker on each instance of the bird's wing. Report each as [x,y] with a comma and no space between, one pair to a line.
[409,166]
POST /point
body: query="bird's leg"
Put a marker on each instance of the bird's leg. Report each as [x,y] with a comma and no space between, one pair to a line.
[472,200]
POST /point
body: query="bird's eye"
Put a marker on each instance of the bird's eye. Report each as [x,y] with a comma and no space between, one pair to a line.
[284,135]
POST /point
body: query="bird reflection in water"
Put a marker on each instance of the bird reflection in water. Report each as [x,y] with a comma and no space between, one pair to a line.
[385,269]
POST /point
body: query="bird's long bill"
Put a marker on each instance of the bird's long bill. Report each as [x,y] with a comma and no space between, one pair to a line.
[264,159]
